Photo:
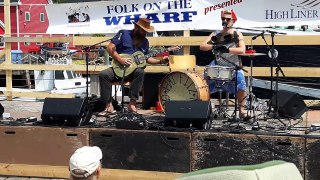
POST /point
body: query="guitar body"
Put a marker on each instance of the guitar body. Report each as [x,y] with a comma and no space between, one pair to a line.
[138,59]
[137,62]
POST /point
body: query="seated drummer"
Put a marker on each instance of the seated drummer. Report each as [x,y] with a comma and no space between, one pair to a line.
[228,44]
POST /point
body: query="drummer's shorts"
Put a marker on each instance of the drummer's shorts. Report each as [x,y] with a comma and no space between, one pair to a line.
[228,86]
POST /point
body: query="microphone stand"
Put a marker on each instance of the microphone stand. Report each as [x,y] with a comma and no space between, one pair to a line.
[275,61]
[236,68]
[122,89]
[87,50]
[88,110]
[277,89]
[271,63]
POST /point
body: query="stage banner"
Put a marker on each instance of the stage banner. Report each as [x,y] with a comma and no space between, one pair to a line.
[168,15]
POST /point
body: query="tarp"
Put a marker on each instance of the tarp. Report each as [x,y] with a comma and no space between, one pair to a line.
[168,15]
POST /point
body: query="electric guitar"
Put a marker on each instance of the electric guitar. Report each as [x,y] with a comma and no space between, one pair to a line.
[139,60]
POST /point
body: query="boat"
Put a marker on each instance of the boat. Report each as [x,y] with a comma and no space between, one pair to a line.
[53,81]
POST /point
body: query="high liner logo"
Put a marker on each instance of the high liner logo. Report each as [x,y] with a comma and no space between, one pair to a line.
[292,14]
[306,13]
[221,5]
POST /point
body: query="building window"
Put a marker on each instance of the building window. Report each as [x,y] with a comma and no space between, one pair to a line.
[27,16]
[41,17]
[26,43]
[38,43]
[1,42]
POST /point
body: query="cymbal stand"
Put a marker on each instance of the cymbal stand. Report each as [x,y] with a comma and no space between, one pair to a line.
[252,98]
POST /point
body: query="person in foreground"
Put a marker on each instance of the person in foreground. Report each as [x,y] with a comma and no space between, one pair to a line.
[85,163]
[227,44]
[127,42]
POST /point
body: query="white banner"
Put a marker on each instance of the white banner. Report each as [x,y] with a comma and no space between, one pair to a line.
[167,15]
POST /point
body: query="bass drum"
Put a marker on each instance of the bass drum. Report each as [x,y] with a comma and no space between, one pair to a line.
[182,86]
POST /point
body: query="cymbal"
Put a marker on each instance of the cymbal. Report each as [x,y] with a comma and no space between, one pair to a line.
[253,54]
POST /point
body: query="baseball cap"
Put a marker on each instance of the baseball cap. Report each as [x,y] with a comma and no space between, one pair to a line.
[87,159]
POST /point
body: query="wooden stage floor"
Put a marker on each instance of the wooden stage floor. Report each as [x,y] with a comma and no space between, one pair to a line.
[164,149]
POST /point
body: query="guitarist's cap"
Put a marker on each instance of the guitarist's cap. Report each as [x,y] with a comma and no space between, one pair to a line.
[144,23]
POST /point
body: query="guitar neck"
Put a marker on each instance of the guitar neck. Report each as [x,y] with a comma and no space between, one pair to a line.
[155,53]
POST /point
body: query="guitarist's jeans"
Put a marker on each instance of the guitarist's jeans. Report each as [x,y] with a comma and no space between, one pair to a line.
[107,76]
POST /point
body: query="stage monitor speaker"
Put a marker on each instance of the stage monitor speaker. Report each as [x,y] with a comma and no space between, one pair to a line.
[66,111]
[182,114]
[290,104]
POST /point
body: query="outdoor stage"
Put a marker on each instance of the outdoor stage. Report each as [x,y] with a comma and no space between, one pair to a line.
[167,149]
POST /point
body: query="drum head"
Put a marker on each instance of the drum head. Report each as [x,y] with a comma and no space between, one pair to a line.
[219,73]
[183,85]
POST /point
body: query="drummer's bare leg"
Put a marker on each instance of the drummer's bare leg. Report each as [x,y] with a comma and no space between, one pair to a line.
[241,97]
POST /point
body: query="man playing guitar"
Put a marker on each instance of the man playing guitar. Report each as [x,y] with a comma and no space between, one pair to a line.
[127,42]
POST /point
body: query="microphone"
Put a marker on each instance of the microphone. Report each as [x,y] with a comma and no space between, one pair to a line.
[261,34]
[224,24]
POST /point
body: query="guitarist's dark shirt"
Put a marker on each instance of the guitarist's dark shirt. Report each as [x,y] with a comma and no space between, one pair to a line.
[124,43]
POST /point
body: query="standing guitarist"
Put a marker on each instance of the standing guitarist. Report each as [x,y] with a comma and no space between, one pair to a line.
[127,42]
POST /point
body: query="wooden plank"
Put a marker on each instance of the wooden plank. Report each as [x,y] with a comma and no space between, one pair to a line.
[220,149]
[171,41]
[16,67]
[2,53]
[143,150]
[257,71]
[288,71]
[38,39]
[287,40]
[40,145]
[312,158]
[88,41]
[197,40]
[37,94]
[8,85]
[45,171]
[8,47]
[186,49]
[176,41]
